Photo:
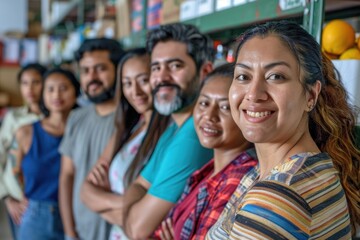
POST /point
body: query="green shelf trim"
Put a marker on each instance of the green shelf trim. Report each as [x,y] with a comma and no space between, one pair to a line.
[242,15]
[314,18]
[137,39]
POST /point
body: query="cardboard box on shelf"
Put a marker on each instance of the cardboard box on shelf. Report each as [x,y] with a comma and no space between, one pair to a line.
[123,18]
[222,4]
[170,12]
[154,9]
[188,9]
[205,7]
[9,84]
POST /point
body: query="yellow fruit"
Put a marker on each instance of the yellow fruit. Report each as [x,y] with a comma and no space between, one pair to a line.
[352,53]
[337,37]
[358,43]
[331,56]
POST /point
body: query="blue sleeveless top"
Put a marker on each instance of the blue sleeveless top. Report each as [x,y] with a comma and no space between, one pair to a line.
[41,166]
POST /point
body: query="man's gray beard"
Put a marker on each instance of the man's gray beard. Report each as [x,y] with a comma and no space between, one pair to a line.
[167,108]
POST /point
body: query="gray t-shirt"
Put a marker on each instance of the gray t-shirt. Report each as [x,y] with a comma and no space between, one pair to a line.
[85,138]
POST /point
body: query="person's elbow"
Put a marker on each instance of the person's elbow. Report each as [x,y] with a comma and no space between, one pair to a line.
[137,231]
[137,234]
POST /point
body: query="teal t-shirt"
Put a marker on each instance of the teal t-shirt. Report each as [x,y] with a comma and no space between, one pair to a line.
[177,155]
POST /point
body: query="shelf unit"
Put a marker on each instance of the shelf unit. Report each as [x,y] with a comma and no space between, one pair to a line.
[51,24]
[231,22]
[73,13]
[242,16]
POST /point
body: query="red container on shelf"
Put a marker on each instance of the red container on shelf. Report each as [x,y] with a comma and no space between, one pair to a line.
[137,15]
[154,13]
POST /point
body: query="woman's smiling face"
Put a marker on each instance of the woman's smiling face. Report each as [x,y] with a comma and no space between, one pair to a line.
[267,99]
[214,124]
[135,83]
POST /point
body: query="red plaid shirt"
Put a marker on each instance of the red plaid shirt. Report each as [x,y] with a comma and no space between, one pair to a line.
[211,197]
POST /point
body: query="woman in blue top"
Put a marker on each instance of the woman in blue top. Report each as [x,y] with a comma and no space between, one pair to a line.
[39,158]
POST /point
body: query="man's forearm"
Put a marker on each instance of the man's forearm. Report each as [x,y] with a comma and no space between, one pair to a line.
[65,203]
[133,195]
[114,216]
[98,199]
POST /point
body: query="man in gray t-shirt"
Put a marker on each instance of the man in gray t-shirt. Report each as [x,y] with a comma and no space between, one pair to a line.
[87,133]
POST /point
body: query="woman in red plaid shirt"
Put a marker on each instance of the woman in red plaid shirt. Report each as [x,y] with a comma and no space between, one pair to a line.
[209,189]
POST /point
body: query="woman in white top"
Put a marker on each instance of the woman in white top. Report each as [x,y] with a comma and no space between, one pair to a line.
[102,190]
[30,80]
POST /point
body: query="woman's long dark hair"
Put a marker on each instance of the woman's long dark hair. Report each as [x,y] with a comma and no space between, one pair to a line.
[332,121]
[126,118]
[157,126]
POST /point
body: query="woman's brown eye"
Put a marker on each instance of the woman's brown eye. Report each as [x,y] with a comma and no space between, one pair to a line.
[241,77]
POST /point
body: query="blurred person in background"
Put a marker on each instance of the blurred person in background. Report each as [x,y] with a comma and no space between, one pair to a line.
[39,158]
[87,133]
[30,80]
[134,141]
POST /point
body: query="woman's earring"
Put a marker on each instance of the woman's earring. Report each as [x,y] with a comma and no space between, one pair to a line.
[310,106]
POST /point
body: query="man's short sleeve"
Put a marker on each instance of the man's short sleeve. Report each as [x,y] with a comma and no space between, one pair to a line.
[66,145]
[151,168]
[180,161]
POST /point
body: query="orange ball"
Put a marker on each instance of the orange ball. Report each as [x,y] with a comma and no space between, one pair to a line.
[337,37]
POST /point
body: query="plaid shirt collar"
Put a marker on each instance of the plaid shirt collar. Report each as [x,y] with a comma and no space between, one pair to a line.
[208,187]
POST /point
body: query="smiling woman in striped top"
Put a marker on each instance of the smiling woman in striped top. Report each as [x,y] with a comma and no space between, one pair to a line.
[288,101]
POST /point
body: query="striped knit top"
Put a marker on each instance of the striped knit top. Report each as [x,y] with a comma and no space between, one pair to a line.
[300,199]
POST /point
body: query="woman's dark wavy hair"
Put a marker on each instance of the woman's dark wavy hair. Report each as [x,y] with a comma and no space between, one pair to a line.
[69,75]
[126,118]
[31,66]
[332,121]
[224,70]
